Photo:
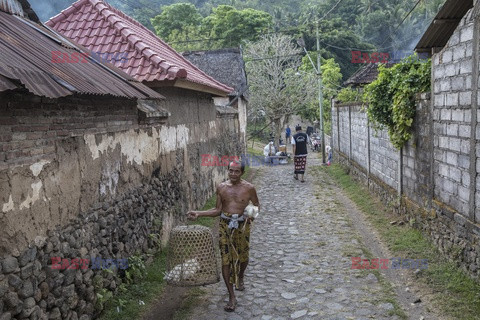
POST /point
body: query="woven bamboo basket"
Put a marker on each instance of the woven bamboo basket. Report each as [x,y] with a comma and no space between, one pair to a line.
[191,259]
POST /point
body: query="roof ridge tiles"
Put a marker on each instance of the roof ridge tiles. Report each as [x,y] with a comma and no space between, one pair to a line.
[79,3]
[133,39]
[106,14]
[120,25]
[66,12]
[149,53]
[142,46]
[99,5]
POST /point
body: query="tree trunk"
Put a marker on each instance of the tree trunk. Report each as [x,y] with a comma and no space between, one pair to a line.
[279,132]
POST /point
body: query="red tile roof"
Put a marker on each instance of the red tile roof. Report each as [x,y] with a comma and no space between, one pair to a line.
[101,28]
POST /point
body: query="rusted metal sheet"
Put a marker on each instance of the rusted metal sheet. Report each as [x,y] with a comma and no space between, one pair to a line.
[11,6]
[6,84]
[443,25]
[26,57]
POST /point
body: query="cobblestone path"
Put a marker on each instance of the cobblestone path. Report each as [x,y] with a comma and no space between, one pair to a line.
[301,249]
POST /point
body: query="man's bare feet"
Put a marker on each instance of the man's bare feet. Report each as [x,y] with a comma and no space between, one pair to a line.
[231,305]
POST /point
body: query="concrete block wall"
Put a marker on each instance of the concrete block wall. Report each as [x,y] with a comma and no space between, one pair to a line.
[343,130]
[356,139]
[384,157]
[439,180]
[335,127]
[452,107]
[359,131]
[417,156]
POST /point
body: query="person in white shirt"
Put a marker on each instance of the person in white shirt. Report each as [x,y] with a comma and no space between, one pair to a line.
[269,151]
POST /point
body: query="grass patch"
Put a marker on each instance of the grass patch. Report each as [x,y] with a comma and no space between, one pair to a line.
[457,295]
[129,296]
[255,151]
[194,296]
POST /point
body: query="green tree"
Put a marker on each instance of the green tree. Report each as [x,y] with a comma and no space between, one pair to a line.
[269,6]
[189,38]
[371,27]
[178,17]
[347,10]
[349,95]
[141,10]
[276,88]
[336,41]
[232,27]
[144,16]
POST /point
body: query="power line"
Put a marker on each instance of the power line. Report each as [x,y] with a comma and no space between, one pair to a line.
[326,14]
[418,1]
[197,40]
[274,57]
[366,50]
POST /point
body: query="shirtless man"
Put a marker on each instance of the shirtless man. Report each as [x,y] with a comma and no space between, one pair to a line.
[233,196]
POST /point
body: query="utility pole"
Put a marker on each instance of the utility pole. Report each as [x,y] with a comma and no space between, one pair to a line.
[317,69]
[320,96]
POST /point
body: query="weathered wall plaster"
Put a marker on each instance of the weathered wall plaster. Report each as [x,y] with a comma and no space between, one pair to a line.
[91,168]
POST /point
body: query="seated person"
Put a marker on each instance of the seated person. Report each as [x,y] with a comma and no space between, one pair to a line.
[268,151]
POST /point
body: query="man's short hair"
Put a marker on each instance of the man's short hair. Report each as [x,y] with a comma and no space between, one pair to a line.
[240,163]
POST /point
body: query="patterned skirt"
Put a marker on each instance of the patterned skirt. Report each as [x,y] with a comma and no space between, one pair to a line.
[234,247]
[300,163]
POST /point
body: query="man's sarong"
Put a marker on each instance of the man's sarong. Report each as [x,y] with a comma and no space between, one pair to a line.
[234,246]
[300,163]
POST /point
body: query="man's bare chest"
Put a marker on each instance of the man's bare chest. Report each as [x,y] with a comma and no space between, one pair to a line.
[235,195]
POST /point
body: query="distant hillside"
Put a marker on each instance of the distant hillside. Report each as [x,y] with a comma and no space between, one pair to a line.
[345,25]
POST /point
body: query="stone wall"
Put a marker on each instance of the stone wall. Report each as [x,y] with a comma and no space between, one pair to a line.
[116,229]
[82,178]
